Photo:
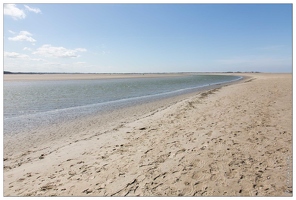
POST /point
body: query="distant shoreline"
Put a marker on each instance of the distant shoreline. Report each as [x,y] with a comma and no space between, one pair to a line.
[19,76]
[8,72]
[66,76]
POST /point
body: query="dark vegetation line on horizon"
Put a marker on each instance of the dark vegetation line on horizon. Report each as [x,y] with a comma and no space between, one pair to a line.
[8,72]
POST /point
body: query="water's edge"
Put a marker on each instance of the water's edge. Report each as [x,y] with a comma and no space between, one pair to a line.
[34,121]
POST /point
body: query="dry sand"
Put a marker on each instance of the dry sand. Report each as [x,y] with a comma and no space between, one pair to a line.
[232,141]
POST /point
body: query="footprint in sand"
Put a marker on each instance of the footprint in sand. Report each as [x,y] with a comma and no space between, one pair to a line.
[180,151]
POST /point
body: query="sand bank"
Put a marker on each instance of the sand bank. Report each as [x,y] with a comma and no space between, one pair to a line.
[46,77]
[232,141]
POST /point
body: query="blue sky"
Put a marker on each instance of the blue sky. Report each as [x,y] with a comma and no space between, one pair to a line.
[139,38]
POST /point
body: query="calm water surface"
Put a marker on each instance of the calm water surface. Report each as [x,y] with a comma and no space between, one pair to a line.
[28,103]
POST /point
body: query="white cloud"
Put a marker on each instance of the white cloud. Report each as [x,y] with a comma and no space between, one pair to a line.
[13,11]
[16,13]
[23,36]
[15,55]
[58,52]
[27,49]
[35,10]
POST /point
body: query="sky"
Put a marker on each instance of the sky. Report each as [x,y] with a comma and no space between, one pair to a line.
[147,38]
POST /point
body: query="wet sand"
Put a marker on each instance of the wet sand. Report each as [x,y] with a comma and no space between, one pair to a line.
[230,141]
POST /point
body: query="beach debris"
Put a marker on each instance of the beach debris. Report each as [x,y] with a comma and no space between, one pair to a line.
[47,187]
[21,179]
[147,151]
[87,191]
[143,128]
[41,156]
[134,181]
[203,148]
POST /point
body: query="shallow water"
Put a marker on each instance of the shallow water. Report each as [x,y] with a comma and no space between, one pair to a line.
[28,104]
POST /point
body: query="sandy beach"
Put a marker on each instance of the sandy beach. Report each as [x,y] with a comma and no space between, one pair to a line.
[230,141]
